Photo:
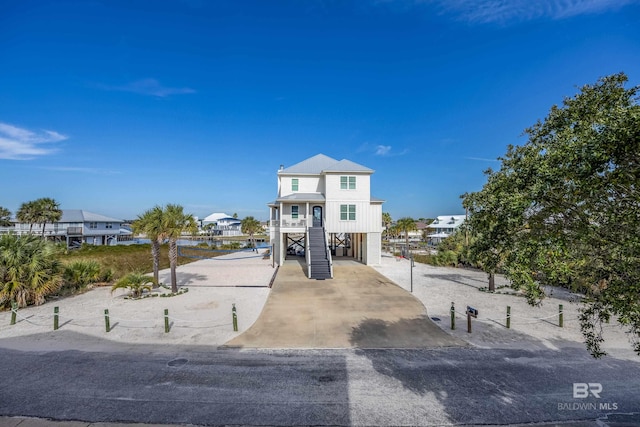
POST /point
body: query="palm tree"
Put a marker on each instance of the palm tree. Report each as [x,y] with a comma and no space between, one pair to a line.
[48,211]
[137,283]
[28,214]
[5,217]
[29,270]
[209,228]
[386,221]
[81,273]
[250,226]
[405,225]
[150,224]
[174,223]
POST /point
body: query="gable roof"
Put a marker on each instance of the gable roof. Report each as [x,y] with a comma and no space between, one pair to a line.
[217,216]
[79,215]
[447,221]
[313,165]
[345,165]
[320,164]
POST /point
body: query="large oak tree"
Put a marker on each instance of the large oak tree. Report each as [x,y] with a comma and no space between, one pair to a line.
[564,208]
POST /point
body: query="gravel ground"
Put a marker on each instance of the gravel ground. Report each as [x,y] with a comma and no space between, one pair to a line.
[531,327]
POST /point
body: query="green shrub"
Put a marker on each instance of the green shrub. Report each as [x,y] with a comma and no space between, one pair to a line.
[137,283]
[447,258]
[231,246]
[81,273]
[29,270]
[107,275]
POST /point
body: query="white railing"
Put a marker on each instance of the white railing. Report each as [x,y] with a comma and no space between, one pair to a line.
[289,223]
[328,249]
[307,254]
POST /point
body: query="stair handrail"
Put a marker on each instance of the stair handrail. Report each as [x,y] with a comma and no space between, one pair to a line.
[307,252]
[328,251]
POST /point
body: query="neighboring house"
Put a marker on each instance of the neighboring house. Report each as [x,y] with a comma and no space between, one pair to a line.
[324,206]
[223,225]
[418,234]
[75,227]
[443,226]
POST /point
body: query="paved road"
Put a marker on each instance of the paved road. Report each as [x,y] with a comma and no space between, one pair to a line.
[207,386]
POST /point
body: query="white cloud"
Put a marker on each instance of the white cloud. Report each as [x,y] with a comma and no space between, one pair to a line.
[149,87]
[383,150]
[379,150]
[509,11]
[23,144]
[96,171]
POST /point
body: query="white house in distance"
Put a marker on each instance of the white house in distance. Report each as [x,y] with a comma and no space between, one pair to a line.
[223,224]
[324,209]
[443,226]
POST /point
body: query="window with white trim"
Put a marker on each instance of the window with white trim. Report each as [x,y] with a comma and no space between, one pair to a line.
[294,211]
[347,212]
[347,182]
[294,184]
[108,225]
[93,225]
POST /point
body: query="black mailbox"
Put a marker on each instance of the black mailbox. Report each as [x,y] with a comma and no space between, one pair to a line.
[472,311]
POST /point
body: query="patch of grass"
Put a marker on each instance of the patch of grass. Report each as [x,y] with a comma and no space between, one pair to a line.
[122,259]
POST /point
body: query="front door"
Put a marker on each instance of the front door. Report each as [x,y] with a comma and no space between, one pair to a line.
[317,216]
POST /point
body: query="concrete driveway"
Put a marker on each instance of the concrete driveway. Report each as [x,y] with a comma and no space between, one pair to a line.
[358,308]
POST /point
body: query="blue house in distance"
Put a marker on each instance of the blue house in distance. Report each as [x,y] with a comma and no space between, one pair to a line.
[76,227]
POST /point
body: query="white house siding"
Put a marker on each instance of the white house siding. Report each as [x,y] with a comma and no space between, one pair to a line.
[368,217]
[333,191]
[287,210]
[306,184]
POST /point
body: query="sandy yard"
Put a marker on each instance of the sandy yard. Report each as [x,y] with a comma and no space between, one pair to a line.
[203,315]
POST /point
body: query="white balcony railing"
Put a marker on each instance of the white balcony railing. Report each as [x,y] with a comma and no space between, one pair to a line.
[289,223]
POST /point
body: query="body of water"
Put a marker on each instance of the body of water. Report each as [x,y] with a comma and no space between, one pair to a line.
[190,242]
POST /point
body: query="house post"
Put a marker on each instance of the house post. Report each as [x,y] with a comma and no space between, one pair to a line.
[306,216]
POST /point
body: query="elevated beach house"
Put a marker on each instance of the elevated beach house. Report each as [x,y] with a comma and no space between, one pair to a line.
[442,227]
[221,224]
[324,210]
[75,227]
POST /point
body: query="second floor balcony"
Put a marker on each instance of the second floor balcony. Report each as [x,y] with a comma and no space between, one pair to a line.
[289,222]
[74,231]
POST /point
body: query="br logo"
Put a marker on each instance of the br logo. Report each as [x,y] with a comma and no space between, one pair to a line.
[582,390]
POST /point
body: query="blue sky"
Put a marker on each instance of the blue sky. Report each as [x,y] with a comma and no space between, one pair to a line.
[116,106]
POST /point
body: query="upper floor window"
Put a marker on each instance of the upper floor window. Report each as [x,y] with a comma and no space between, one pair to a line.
[108,225]
[93,225]
[347,182]
[347,212]
[294,211]
[294,184]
